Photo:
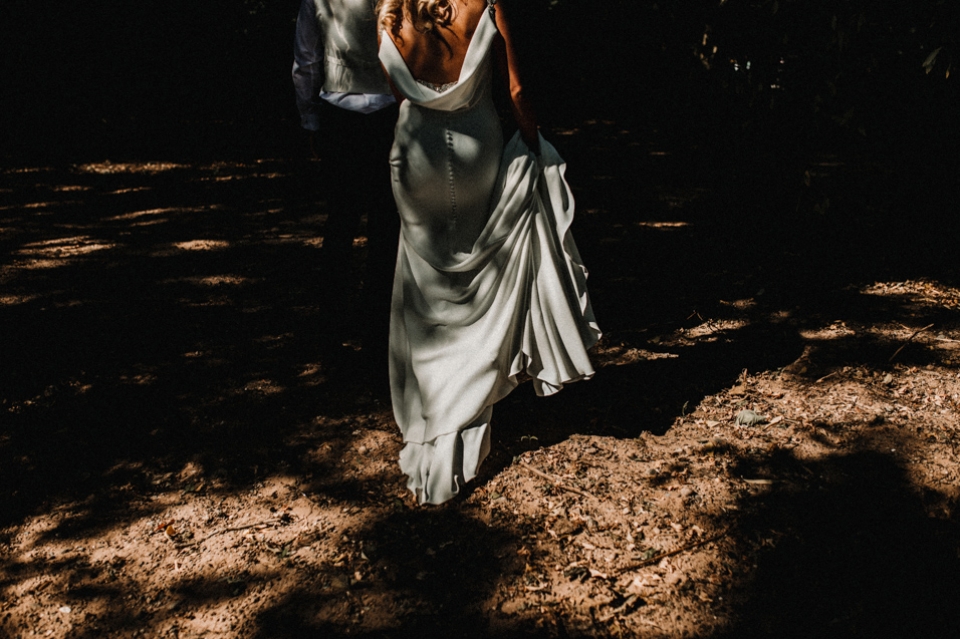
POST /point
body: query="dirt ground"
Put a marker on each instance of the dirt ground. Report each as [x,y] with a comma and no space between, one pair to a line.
[192,442]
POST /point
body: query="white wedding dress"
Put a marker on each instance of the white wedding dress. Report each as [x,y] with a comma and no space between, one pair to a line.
[489,282]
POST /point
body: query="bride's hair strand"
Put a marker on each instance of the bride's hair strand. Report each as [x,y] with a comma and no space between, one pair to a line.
[426,16]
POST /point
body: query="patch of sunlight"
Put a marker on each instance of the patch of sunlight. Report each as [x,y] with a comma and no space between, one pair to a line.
[711,327]
[313,380]
[13,300]
[211,280]
[307,239]
[153,222]
[742,305]
[65,247]
[311,370]
[918,291]
[29,169]
[236,177]
[132,189]
[202,245]
[836,330]
[219,300]
[141,379]
[109,168]
[217,167]
[899,333]
[623,355]
[217,280]
[149,212]
[263,386]
[66,188]
[663,225]
[780,316]
[633,355]
[39,265]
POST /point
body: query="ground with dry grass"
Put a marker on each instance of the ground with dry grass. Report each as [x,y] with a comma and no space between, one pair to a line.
[193,443]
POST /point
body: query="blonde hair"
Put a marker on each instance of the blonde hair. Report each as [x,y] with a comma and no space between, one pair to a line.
[426,16]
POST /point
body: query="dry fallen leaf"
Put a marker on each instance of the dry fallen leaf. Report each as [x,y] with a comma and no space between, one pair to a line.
[749,418]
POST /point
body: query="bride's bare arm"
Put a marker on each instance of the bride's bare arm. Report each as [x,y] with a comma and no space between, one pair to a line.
[520,104]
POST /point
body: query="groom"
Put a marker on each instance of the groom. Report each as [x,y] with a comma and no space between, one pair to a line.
[346,105]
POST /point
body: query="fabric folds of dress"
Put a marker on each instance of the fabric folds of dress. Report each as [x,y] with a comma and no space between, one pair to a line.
[462,331]
[489,282]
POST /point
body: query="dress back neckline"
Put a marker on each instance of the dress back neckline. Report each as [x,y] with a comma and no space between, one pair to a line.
[422,91]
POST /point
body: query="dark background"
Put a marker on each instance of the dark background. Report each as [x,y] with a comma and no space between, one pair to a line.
[178,78]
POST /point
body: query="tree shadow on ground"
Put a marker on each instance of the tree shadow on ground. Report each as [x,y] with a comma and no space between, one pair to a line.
[845,546]
[160,315]
[435,572]
[177,315]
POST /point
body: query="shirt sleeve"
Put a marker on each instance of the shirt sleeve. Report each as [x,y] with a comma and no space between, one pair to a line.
[307,71]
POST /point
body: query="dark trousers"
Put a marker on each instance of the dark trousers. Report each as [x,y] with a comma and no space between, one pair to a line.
[354,150]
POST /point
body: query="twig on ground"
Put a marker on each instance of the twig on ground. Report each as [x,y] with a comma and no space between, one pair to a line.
[696,544]
[649,623]
[827,376]
[558,483]
[910,339]
[220,532]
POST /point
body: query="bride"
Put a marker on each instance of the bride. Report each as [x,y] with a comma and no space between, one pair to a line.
[489,282]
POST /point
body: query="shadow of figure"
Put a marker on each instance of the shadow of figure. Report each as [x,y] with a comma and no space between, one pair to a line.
[846,546]
[432,573]
[624,401]
[354,180]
